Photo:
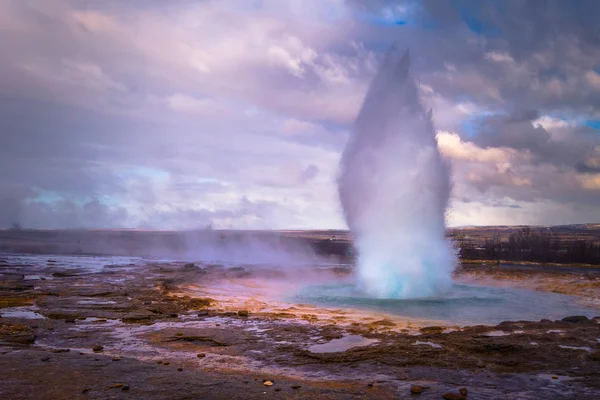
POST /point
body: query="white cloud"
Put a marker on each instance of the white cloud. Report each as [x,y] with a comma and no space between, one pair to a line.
[452,146]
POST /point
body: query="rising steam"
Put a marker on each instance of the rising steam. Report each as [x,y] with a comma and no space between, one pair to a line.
[394,188]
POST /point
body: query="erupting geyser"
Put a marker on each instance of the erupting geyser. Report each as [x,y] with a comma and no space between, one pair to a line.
[394,188]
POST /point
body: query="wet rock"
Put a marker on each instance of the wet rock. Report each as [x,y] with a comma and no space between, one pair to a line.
[432,329]
[370,384]
[463,391]
[190,265]
[296,386]
[555,377]
[85,390]
[243,313]
[173,315]
[198,303]
[502,348]
[97,348]
[278,389]
[453,396]
[61,315]
[576,318]
[63,274]
[200,355]
[118,385]
[136,318]
[383,322]
[16,334]
[268,383]
[179,369]
[416,389]
[125,387]
[46,358]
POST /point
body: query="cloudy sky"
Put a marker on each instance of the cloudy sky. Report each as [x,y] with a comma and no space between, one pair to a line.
[176,114]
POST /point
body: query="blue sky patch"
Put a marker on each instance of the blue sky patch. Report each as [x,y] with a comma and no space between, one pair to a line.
[592,123]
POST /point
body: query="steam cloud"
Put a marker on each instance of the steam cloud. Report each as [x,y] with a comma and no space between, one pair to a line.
[394,188]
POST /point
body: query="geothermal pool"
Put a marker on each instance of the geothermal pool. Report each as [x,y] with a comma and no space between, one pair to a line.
[462,305]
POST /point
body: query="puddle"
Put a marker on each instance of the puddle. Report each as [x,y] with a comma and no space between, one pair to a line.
[343,344]
[96,302]
[25,313]
[435,345]
[555,331]
[497,334]
[33,277]
[575,347]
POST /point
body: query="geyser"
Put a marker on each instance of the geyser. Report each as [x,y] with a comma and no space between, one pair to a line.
[394,189]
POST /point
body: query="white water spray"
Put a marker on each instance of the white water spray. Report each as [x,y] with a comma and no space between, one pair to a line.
[394,188]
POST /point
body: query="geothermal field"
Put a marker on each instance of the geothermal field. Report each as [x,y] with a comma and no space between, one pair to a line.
[398,307]
[123,326]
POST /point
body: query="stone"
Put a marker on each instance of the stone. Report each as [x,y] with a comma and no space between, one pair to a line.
[453,396]
[190,265]
[296,386]
[166,363]
[46,358]
[63,274]
[85,390]
[98,348]
[432,329]
[173,315]
[555,377]
[135,318]
[278,389]
[268,383]
[125,387]
[179,369]
[118,385]
[243,313]
[416,389]
[576,319]
[463,391]
[370,384]
[200,355]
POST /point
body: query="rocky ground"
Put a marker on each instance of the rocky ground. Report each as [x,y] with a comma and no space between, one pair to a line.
[145,330]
